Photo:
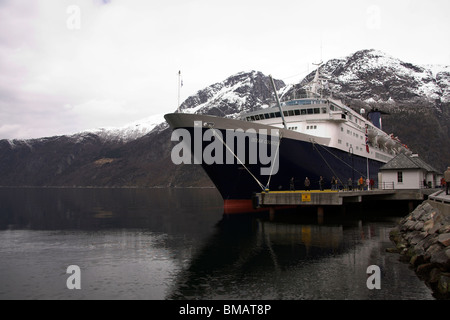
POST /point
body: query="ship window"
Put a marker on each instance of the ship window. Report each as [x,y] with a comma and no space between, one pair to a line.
[285,113]
[303,111]
[267,116]
[257,117]
[339,141]
[316,110]
[253,118]
[342,129]
[324,110]
[343,116]
[291,113]
[309,111]
[249,118]
[272,115]
[297,112]
[278,114]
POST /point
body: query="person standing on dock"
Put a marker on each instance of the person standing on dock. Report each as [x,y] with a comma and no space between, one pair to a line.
[321,183]
[361,183]
[307,184]
[292,184]
[447,179]
[333,183]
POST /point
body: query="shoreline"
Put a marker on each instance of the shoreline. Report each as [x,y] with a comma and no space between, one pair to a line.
[422,238]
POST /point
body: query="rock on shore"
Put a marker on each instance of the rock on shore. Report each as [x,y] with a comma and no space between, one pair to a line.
[423,240]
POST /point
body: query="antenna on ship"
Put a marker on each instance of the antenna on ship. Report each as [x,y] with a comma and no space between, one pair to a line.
[180,84]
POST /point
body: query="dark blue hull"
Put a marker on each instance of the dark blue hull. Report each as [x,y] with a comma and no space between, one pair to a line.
[298,160]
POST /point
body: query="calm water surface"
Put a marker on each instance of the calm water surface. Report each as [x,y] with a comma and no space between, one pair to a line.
[176,244]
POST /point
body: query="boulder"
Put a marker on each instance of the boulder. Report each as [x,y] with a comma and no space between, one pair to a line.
[427,207]
[418,213]
[419,226]
[434,276]
[444,283]
[427,241]
[445,228]
[393,250]
[437,217]
[417,259]
[424,269]
[435,228]
[428,225]
[441,258]
[444,238]
[417,238]
[433,249]
[409,225]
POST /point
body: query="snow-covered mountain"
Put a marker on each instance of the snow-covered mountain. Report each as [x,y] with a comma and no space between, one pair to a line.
[138,154]
[131,131]
[242,92]
[374,76]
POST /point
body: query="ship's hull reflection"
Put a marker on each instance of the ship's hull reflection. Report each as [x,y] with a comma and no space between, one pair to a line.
[246,257]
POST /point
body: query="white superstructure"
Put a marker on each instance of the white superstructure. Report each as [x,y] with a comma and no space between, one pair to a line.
[346,129]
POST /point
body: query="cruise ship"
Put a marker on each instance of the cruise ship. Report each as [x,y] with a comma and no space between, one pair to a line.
[311,136]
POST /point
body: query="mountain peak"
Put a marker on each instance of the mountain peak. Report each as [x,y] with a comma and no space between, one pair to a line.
[372,75]
[241,92]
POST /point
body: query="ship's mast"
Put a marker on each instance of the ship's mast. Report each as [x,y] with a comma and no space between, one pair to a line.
[278,101]
[315,83]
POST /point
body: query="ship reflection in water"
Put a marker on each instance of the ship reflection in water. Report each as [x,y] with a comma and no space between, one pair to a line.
[262,259]
[177,244]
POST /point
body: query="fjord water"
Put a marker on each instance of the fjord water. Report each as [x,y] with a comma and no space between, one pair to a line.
[176,244]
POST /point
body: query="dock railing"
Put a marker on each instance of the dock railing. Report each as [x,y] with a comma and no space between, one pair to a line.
[387,185]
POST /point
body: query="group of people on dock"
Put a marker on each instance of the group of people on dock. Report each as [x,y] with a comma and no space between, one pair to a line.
[336,185]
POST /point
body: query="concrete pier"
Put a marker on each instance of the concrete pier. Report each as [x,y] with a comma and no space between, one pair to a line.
[333,198]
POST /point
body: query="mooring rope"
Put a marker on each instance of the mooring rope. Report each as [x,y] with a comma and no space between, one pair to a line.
[352,167]
[237,158]
[326,162]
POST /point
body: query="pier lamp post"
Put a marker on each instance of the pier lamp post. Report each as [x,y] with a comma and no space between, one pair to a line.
[350,154]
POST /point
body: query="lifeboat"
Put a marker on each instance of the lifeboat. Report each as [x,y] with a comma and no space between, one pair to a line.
[372,133]
[382,139]
[390,143]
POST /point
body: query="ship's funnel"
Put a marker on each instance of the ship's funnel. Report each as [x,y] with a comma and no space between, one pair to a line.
[375,118]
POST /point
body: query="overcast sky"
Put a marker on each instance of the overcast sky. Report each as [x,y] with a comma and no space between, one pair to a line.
[71,65]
